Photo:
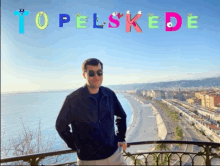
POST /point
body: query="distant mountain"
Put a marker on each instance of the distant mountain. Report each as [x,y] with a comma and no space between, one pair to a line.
[205,82]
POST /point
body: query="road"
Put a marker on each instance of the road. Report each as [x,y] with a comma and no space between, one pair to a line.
[190,133]
[195,136]
[200,108]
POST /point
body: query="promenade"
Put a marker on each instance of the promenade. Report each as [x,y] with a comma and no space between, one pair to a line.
[142,128]
[145,128]
[137,127]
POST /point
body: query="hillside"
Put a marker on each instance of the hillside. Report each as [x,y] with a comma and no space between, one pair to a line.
[205,82]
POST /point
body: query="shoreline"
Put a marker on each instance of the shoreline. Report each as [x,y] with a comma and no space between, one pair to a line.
[143,126]
[132,116]
[161,127]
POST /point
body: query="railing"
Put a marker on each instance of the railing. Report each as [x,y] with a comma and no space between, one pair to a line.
[207,154]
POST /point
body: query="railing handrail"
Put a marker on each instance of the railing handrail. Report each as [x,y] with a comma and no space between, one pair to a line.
[164,152]
[199,143]
[37,155]
[46,154]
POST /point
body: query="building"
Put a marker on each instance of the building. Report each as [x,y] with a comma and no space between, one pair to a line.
[191,101]
[168,95]
[200,94]
[138,91]
[156,94]
[211,102]
[150,93]
[130,91]
[202,97]
[144,92]
[208,99]
[216,100]
[197,95]
[162,94]
[189,95]
[180,96]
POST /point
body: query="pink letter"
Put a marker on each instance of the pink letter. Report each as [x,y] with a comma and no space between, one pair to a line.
[130,22]
[178,18]
[111,19]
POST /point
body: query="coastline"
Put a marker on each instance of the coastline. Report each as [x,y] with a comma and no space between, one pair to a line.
[143,126]
[132,116]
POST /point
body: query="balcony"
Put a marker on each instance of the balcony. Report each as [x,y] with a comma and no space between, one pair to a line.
[207,154]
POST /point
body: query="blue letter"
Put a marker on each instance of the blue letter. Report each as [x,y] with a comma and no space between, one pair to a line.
[64,18]
[21,19]
[94,22]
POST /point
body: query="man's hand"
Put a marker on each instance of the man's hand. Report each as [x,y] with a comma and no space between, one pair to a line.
[123,145]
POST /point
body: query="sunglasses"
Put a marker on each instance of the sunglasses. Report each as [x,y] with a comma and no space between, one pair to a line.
[91,73]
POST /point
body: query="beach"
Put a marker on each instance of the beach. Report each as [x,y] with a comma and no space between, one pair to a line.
[143,126]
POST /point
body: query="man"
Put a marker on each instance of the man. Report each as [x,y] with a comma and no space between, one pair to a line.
[90,110]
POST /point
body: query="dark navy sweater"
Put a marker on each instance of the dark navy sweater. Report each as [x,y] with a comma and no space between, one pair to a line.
[92,122]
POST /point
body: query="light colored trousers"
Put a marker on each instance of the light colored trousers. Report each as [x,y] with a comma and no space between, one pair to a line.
[115,159]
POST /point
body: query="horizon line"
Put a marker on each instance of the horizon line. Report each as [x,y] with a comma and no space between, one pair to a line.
[40,91]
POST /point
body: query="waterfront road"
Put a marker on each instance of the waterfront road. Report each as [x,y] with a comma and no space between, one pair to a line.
[195,136]
[189,134]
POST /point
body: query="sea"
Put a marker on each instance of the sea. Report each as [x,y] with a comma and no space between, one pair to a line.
[27,111]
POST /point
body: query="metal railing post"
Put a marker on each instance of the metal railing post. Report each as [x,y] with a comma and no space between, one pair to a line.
[208,161]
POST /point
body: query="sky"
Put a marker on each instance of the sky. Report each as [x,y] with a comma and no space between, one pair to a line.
[51,59]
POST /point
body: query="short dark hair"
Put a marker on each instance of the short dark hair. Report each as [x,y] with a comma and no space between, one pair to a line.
[92,62]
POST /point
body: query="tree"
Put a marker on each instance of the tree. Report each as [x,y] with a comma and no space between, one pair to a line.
[31,142]
[132,157]
[162,147]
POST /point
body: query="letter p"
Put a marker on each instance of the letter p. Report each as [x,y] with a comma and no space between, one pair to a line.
[63,18]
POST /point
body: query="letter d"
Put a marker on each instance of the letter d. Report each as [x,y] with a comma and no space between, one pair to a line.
[178,23]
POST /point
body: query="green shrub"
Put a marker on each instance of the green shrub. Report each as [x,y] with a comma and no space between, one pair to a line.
[178,133]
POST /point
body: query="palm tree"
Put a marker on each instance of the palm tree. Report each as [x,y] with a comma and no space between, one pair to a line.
[162,147]
[138,161]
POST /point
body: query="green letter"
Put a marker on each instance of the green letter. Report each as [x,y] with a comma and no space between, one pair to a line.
[151,22]
[190,21]
[78,21]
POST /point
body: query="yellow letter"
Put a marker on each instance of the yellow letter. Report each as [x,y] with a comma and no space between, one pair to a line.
[37,20]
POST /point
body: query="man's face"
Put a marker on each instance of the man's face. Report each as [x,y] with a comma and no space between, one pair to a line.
[95,81]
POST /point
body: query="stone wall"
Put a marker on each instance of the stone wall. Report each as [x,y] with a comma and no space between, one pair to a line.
[161,128]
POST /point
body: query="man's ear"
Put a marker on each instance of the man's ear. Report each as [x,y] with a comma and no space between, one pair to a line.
[83,75]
